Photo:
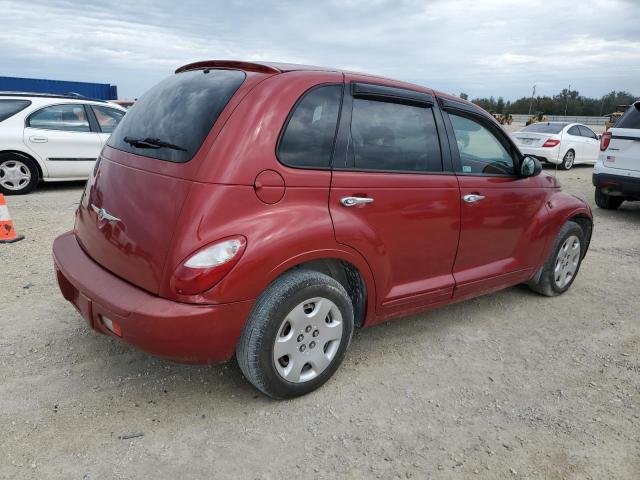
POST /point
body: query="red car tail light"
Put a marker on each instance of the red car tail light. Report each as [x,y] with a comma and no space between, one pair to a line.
[551,143]
[605,139]
[208,266]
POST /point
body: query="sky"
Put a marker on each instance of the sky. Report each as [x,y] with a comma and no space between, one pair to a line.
[480,47]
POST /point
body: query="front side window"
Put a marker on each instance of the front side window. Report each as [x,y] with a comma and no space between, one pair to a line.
[586,132]
[575,131]
[480,150]
[68,118]
[394,137]
[9,107]
[108,118]
[307,140]
[171,121]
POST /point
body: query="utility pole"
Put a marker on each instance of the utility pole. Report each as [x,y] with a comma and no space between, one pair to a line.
[566,103]
[533,94]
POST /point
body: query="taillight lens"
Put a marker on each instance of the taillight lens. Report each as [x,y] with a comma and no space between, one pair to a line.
[551,143]
[605,139]
[208,266]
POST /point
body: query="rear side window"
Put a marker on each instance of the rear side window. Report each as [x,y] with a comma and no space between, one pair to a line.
[108,118]
[631,119]
[394,137]
[171,120]
[68,118]
[307,140]
[574,131]
[9,108]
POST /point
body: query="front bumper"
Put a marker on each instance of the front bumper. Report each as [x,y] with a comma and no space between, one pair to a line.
[617,185]
[181,332]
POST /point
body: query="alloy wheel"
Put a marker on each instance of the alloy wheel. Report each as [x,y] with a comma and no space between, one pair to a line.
[567,261]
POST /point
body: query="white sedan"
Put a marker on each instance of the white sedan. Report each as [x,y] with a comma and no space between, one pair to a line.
[560,143]
[51,138]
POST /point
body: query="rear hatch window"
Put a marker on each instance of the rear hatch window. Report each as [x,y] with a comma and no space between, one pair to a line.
[631,118]
[171,121]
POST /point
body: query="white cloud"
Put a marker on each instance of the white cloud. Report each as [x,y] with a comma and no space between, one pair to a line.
[489,47]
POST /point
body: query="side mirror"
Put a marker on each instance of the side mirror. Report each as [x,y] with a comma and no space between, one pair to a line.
[530,167]
[599,136]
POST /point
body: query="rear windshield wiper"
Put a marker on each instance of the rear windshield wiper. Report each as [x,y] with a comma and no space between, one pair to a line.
[152,143]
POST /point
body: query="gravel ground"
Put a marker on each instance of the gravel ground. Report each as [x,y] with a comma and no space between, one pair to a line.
[511,385]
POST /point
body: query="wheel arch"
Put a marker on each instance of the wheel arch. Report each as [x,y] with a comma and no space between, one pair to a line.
[9,153]
[348,268]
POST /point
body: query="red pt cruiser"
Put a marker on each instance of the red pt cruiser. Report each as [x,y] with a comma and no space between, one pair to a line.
[266,210]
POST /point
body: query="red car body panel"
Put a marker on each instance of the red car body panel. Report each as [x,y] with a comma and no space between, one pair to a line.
[417,246]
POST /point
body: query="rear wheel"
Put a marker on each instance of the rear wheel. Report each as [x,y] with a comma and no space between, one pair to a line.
[568,160]
[18,175]
[607,201]
[296,334]
[561,268]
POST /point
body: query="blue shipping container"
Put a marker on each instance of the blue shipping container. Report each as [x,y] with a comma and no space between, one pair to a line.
[102,91]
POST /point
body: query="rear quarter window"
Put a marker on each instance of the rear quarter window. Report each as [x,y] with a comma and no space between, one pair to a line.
[177,114]
[9,107]
[631,119]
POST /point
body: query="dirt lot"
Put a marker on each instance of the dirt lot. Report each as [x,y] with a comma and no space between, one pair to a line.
[511,385]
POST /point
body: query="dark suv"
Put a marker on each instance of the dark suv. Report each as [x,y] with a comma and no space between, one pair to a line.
[266,210]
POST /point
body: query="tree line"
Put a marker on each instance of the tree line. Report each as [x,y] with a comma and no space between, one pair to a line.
[569,101]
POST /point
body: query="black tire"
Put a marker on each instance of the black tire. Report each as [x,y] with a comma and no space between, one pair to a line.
[607,201]
[18,159]
[544,282]
[567,161]
[256,345]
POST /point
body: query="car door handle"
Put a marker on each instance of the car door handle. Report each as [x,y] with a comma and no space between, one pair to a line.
[35,139]
[353,201]
[473,198]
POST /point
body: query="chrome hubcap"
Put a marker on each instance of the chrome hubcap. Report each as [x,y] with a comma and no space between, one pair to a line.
[308,340]
[568,159]
[14,175]
[567,261]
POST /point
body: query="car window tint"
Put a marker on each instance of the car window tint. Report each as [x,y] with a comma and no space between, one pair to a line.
[544,127]
[108,118]
[574,131]
[394,137]
[69,118]
[631,118]
[307,140]
[585,132]
[180,111]
[480,150]
[10,107]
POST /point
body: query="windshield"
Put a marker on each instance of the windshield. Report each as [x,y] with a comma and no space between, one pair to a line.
[545,127]
[171,120]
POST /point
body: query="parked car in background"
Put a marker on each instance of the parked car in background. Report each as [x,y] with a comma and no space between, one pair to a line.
[267,210]
[51,138]
[560,143]
[616,175]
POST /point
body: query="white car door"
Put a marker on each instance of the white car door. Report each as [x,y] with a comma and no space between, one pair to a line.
[62,137]
[573,140]
[108,119]
[591,147]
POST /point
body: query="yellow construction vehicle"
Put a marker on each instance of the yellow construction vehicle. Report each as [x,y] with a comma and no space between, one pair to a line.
[615,116]
[503,118]
[536,117]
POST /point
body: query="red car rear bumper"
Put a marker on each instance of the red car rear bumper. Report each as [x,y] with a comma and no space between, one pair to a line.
[182,332]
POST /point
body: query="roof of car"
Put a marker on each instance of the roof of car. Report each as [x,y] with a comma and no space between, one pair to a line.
[66,96]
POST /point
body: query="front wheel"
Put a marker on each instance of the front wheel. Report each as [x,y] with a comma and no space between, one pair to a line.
[296,335]
[568,160]
[561,268]
[607,201]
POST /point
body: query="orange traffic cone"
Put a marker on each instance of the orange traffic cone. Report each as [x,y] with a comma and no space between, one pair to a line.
[7,232]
